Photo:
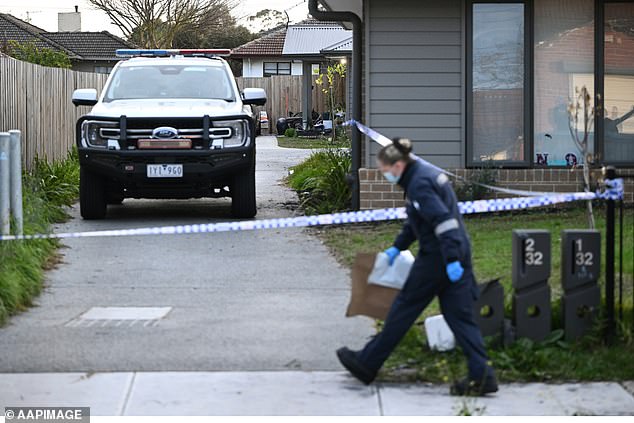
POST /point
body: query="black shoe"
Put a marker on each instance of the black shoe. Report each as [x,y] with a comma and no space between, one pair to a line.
[470,387]
[349,360]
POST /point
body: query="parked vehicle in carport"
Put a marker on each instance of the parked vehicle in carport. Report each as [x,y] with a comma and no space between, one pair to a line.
[168,124]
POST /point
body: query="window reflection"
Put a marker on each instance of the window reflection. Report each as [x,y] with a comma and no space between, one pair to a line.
[564,61]
[498,82]
[619,82]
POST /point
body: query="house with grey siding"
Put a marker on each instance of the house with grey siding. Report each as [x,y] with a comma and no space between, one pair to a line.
[487,83]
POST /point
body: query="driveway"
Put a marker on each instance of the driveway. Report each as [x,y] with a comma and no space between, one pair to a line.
[264,300]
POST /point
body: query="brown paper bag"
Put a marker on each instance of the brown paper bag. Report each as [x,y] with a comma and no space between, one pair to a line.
[368,299]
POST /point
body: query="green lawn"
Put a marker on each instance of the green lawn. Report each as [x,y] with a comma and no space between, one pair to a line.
[311,143]
[491,239]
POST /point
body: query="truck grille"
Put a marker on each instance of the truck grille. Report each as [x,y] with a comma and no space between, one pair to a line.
[188,129]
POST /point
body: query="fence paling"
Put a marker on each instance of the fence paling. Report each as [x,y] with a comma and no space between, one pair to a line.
[37,101]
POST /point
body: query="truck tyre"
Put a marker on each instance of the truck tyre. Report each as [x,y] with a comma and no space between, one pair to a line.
[243,204]
[92,195]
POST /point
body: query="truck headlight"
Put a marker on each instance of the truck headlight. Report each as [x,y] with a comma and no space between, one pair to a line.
[91,134]
[239,133]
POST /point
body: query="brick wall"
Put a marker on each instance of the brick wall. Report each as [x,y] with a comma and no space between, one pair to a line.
[376,192]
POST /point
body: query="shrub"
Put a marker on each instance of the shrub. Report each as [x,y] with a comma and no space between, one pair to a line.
[43,56]
[322,181]
[290,132]
[472,189]
[46,189]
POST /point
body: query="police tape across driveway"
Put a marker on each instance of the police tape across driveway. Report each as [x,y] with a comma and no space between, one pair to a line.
[466,207]
[614,191]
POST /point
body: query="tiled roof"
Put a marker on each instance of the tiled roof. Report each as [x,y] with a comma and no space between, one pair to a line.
[90,45]
[268,45]
[77,45]
[12,28]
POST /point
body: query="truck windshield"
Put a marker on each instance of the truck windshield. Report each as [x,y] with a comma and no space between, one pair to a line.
[170,82]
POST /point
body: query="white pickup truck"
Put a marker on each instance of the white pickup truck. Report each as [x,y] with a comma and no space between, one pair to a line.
[168,124]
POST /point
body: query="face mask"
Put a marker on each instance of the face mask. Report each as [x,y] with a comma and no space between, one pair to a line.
[391,178]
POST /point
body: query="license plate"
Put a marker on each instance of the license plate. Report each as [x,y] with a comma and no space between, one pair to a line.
[165,171]
[178,144]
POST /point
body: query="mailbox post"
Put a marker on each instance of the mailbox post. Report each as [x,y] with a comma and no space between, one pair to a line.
[531,270]
[580,270]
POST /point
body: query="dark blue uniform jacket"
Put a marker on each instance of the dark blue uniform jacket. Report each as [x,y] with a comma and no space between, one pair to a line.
[433,217]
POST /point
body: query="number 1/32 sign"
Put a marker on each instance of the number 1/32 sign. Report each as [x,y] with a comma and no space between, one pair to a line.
[583,258]
[580,257]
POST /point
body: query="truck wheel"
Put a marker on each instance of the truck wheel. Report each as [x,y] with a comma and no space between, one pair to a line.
[243,195]
[92,195]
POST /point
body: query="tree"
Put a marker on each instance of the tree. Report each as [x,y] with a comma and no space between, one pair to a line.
[156,23]
[581,112]
[44,56]
[266,20]
[333,87]
[214,32]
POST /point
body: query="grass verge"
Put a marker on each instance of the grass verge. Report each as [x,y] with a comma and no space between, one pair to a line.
[46,190]
[554,359]
[312,143]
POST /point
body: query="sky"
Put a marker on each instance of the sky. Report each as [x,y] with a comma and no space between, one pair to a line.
[43,13]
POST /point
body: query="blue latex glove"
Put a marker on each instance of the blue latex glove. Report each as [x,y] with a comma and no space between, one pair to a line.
[455,271]
[392,253]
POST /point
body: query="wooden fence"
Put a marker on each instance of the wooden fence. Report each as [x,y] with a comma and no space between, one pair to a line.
[37,101]
[284,95]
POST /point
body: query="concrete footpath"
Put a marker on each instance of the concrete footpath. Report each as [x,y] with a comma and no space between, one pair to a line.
[295,393]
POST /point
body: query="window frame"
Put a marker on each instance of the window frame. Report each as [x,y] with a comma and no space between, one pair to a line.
[277,69]
[529,87]
[528,161]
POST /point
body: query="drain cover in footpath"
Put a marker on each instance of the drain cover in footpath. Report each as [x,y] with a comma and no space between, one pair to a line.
[120,316]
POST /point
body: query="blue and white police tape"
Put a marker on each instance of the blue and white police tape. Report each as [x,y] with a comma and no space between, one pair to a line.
[383,141]
[466,207]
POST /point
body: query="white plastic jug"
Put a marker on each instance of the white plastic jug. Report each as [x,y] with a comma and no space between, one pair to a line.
[393,276]
[439,336]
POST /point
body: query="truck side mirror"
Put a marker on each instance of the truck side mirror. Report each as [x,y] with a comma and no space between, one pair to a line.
[85,97]
[254,96]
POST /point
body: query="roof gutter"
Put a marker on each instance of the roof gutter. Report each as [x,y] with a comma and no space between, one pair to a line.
[357,32]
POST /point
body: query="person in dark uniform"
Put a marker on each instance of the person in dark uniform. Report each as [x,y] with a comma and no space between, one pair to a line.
[442,268]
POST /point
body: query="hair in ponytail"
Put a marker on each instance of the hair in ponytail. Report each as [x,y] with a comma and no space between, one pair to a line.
[400,149]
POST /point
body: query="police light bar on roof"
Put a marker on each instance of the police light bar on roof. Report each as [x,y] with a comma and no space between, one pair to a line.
[172,52]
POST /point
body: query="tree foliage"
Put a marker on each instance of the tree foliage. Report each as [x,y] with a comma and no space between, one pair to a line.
[158,23]
[266,20]
[214,32]
[44,56]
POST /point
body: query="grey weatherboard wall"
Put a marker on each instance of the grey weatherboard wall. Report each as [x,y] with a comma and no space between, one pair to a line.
[415,76]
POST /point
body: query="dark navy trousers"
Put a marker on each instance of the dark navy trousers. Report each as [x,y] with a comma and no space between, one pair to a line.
[426,280]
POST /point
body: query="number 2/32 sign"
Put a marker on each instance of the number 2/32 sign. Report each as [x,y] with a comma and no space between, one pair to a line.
[531,256]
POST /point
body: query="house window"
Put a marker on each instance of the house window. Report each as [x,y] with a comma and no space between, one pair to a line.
[497,84]
[563,62]
[525,62]
[277,68]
